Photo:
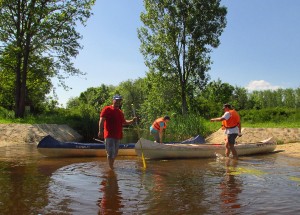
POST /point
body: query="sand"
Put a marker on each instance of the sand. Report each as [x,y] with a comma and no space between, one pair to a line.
[288,139]
[32,134]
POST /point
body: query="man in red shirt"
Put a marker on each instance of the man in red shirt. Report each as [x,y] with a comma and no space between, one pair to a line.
[111,128]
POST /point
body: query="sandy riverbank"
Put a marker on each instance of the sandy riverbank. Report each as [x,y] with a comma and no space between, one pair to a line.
[32,134]
[288,139]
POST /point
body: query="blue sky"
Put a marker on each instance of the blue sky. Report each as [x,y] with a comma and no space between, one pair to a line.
[260,47]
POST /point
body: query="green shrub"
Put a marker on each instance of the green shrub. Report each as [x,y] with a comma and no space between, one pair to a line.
[183,127]
[6,114]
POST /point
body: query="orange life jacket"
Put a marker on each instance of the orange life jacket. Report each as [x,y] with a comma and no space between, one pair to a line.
[233,121]
[156,123]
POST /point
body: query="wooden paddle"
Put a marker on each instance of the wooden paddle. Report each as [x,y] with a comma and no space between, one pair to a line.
[138,131]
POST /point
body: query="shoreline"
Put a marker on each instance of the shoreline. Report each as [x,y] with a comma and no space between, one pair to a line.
[288,139]
[289,149]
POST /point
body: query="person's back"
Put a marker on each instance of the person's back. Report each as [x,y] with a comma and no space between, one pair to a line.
[157,128]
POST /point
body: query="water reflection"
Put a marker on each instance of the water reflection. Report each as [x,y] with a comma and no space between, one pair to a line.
[111,201]
[230,188]
[17,183]
[31,184]
[176,187]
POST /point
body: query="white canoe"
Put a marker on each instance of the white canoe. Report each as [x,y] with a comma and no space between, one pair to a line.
[154,150]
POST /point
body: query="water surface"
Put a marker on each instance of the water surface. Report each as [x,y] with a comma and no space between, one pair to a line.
[33,184]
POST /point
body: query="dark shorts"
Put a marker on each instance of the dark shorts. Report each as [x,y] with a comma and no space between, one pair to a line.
[155,134]
[112,147]
[231,138]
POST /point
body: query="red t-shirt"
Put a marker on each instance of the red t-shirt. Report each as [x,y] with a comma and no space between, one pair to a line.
[113,125]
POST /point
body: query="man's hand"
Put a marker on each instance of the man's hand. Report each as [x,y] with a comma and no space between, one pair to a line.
[101,134]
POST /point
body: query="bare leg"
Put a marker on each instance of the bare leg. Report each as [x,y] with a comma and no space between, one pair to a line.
[111,162]
[234,153]
[227,151]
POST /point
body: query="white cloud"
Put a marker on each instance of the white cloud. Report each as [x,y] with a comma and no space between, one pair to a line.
[261,85]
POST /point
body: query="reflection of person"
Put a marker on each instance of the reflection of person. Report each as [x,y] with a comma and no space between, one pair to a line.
[232,125]
[230,188]
[111,128]
[157,128]
[111,199]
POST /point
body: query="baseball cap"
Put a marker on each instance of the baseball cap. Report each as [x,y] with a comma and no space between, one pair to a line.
[226,106]
[117,96]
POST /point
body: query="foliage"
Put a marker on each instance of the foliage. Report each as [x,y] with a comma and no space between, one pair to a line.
[184,127]
[161,98]
[177,39]
[97,97]
[38,41]
[274,115]
[133,93]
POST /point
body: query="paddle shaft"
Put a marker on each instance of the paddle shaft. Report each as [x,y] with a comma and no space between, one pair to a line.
[138,131]
[100,141]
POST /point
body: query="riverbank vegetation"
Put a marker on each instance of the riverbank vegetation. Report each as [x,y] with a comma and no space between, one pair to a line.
[266,109]
[176,41]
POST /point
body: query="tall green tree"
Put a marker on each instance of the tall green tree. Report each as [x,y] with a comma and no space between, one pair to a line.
[43,29]
[177,37]
[96,97]
[161,98]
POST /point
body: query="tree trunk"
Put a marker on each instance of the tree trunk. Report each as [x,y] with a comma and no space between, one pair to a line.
[184,106]
[17,92]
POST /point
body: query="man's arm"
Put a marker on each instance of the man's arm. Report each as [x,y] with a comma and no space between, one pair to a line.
[218,119]
[101,127]
[130,121]
[225,116]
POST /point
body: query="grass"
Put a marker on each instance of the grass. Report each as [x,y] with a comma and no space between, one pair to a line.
[85,122]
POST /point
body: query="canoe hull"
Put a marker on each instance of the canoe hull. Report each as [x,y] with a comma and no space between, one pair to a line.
[51,147]
[153,150]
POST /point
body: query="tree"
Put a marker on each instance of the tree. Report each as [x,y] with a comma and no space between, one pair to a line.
[239,98]
[133,93]
[177,39]
[96,97]
[42,29]
[161,97]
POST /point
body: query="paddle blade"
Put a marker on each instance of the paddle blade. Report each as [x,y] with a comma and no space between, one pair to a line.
[144,161]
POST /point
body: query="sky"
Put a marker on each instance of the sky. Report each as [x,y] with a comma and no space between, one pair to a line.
[259,50]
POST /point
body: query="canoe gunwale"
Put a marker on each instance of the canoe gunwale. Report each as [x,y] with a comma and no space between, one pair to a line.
[153,150]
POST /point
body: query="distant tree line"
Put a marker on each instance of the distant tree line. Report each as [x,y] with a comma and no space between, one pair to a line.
[152,98]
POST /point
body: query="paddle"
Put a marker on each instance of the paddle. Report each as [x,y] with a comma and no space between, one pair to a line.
[138,131]
[100,141]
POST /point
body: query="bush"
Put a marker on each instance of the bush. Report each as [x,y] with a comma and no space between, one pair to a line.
[183,127]
[276,115]
[6,114]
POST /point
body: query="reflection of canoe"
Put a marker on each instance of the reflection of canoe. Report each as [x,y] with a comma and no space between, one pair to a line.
[153,150]
[51,147]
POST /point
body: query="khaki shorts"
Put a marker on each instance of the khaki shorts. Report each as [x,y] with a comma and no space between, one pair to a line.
[112,147]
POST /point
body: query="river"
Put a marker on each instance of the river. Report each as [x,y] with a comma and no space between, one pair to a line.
[33,184]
